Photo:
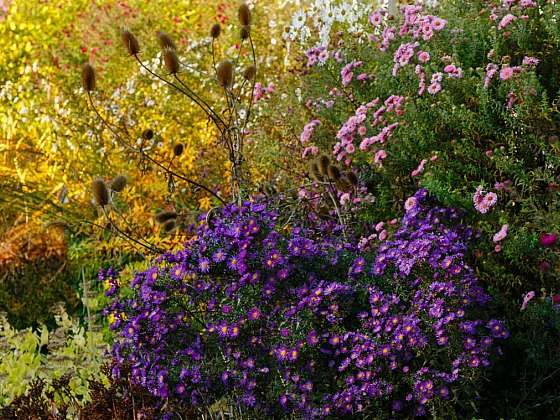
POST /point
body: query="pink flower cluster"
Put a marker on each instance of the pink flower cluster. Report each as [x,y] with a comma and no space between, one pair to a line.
[403,55]
[261,92]
[308,131]
[346,72]
[505,10]
[484,202]
[418,25]
[506,20]
[357,127]
[316,55]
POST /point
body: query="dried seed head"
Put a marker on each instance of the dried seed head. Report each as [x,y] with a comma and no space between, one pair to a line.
[170,225]
[324,164]
[165,41]
[178,149]
[216,30]
[343,185]
[147,134]
[100,192]
[225,73]
[88,77]
[314,171]
[130,42]
[119,183]
[333,173]
[244,15]
[245,32]
[164,216]
[352,178]
[250,72]
[171,60]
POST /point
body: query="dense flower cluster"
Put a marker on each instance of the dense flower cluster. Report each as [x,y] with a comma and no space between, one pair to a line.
[304,322]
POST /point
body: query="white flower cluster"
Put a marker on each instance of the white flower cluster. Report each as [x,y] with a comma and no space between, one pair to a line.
[320,16]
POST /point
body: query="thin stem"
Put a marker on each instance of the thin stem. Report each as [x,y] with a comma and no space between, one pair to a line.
[155,162]
[151,248]
[210,112]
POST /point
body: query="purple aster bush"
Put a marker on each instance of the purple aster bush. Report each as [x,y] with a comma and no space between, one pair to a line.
[300,322]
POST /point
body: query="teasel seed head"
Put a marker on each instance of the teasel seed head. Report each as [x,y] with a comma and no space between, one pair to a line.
[245,32]
[343,185]
[171,60]
[314,171]
[148,134]
[164,216]
[178,149]
[88,77]
[119,183]
[333,172]
[244,15]
[169,226]
[100,192]
[165,41]
[225,73]
[250,72]
[324,164]
[216,30]
[130,42]
[352,178]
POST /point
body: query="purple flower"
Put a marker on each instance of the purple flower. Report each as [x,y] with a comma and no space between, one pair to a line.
[254,314]
[204,265]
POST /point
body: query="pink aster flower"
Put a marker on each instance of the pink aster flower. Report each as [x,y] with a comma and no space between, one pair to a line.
[423,56]
[376,18]
[506,73]
[530,61]
[434,88]
[410,203]
[506,20]
[501,234]
[420,168]
[438,24]
[526,299]
[380,155]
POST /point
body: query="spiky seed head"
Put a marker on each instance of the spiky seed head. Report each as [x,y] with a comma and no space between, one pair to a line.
[100,192]
[165,41]
[245,32]
[343,185]
[244,14]
[148,134]
[130,42]
[170,225]
[225,73]
[352,178]
[88,77]
[324,164]
[314,171]
[333,172]
[250,72]
[164,216]
[216,30]
[119,183]
[178,149]
[171,60]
